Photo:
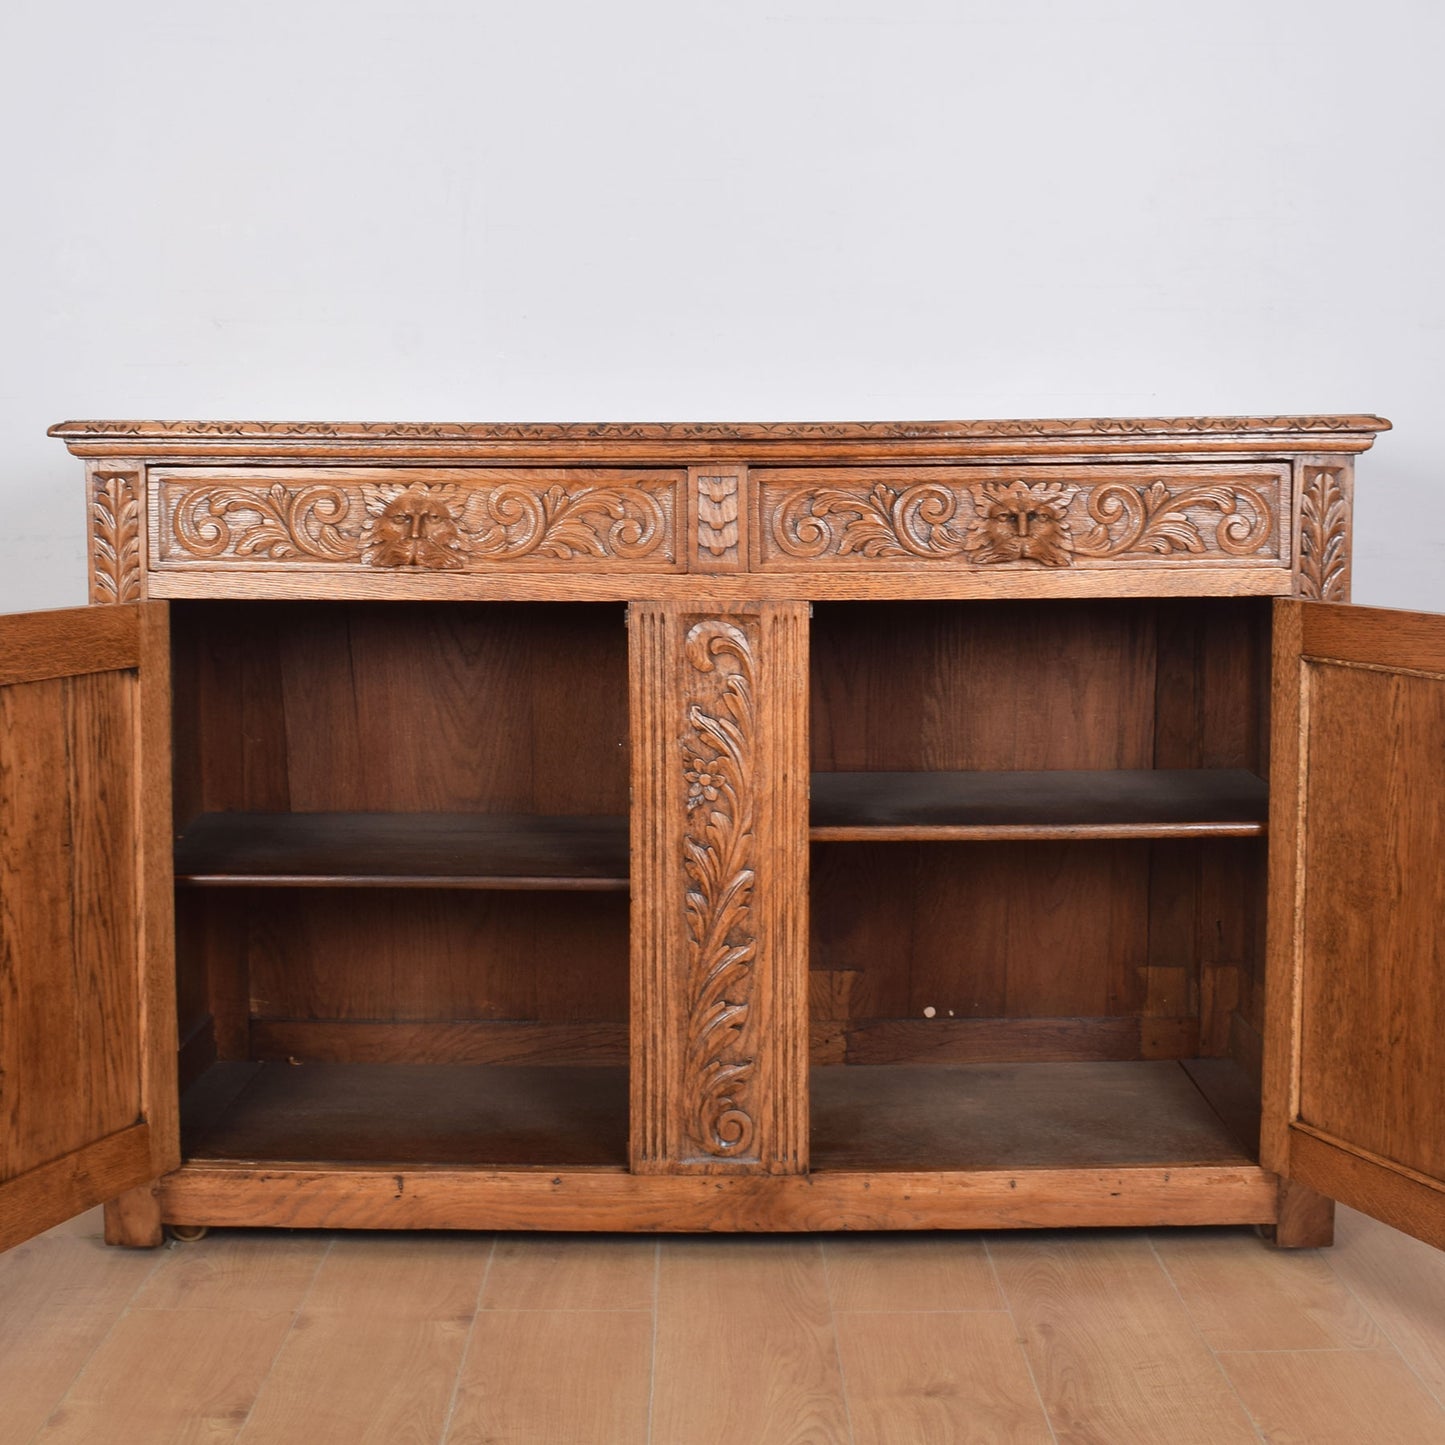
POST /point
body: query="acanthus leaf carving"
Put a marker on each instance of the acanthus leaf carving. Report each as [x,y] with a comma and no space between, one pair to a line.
[914,521]
[718,864]
[115,537]
[420,524]
[1131,519]
[1324,537]
[1018,521]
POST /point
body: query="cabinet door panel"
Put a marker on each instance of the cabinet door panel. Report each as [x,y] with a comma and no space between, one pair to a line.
[1358,952]
[87,1080]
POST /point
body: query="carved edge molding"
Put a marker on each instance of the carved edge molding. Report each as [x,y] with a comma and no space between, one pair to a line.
[710,431]
[719,867]
[1324,534]
[1017,521]
[116,561]
[418,524]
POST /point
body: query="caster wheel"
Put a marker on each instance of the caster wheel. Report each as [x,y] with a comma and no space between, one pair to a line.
[188,1233]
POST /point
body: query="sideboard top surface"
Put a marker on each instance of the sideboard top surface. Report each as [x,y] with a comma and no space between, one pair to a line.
[627,440]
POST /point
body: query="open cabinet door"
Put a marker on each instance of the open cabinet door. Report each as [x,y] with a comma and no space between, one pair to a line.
[87,1014]
[1355,1072]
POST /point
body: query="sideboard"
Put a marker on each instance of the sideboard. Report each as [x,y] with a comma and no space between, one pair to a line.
[722,827]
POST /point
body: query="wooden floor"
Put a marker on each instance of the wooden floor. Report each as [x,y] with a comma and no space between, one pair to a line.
[1110,1337]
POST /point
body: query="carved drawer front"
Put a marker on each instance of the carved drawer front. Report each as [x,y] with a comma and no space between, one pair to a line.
[1021,517]
[426,519]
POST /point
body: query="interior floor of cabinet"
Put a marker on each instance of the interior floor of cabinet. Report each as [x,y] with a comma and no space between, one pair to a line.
[509,1116]
[1020,1116]
[927,1117]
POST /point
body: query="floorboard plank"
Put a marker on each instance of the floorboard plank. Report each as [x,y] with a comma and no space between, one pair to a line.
[1116,1357]
[938,1379]
[563,1375]
[571,1272]
[1335,1397]
[183,1377]
[745,1345]
[898,1273]
[1401,1281]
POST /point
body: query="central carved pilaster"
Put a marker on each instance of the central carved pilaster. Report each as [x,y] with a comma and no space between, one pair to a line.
[719,886]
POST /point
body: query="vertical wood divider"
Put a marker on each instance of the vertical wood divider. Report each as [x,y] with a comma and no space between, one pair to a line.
[719,887]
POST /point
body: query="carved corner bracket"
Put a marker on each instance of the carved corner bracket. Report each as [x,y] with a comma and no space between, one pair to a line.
[1323,547]
[116,560]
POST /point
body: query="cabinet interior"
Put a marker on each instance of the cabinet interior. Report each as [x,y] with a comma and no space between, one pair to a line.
[402,910]
[1037,908]
[1048,948]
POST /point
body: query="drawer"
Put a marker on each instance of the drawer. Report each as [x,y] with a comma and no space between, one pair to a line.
[423,519]
[1020,517]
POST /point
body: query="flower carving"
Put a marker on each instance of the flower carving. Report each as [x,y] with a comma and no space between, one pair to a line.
[703,782]
[1019,522]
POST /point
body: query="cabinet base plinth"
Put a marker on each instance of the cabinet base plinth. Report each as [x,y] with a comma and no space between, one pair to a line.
[338,1198]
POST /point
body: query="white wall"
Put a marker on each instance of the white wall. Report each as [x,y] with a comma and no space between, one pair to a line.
[800,209]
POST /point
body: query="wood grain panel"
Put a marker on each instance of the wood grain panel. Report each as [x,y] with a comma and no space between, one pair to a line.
[72,980]
[473,1041]
[1030,930]
[429,708]
[35,646]
[1373,1005]
[406,955]
[926,686]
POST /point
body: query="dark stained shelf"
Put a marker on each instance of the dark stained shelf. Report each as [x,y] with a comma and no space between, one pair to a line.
[550,1116]
[1016,1116]
[404,850]
[999,806]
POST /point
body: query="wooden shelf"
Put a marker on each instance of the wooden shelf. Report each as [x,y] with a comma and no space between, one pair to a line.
[404,850]
[504,1116]
[1016,1116]
[1003,806]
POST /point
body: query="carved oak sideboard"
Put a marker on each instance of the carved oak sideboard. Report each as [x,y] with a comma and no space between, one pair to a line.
[707,827]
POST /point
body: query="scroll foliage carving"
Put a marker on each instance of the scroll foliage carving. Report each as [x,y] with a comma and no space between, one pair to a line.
[1017,521]
[1155,519]
[916,521]
[434,525]
[1324,537]
[115,538]
[718,862]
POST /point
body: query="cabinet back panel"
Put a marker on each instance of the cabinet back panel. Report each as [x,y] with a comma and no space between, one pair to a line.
[367,707]
[1032,950]
[435,955]
[1168,683]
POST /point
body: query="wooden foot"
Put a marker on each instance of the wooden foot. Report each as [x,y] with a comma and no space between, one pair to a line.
[134,1219]
[1306,1219]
